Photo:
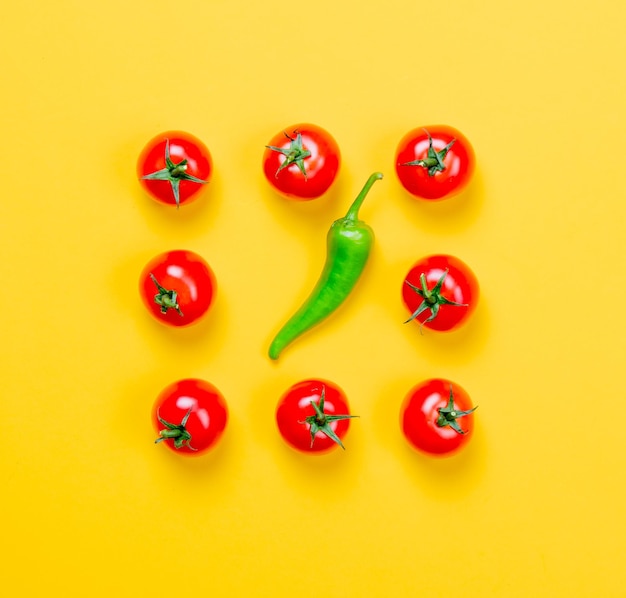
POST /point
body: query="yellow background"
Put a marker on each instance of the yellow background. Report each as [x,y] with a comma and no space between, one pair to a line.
[533,507]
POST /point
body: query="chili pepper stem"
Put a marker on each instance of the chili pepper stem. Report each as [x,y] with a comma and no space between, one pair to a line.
[353,211]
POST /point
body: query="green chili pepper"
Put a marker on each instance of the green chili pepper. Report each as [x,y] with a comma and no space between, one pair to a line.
[348,244]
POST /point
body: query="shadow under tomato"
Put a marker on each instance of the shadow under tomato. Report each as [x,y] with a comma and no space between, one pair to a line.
[193,219]
[190,476]
[324,476]
[181,477]
[446,216]
[456,347]
[193,345]
[443,478]
[447,478]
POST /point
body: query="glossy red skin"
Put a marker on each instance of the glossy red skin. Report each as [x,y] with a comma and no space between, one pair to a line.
[459,163]
[208,418]
[295,406]
[182,146]
[419,412]
[460,286]
[189,275]
[321,166]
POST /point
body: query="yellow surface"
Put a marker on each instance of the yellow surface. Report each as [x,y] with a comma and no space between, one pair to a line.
[533,507]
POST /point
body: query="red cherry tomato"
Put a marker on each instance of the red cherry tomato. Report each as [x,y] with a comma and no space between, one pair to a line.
[189,416]
[440,292]
[177,287]
[313,416]
[302,162]
[436,417]
[174,167]
[434,162]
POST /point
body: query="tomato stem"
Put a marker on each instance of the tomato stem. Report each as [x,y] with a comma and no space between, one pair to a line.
[432,298]
[174,174]
[294,154]
[433,162]
[176,432]
[165,298]
[179,170]
[321,421]
[427,294]
[448,415]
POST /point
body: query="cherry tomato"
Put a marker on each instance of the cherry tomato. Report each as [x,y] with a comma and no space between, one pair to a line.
[436,417]
[440,292]
[302,162]
[189,416]
[434,162]
[313,416]
[177,287]
[174,167]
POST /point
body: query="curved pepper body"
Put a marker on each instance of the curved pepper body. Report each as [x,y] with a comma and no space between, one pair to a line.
[348,243]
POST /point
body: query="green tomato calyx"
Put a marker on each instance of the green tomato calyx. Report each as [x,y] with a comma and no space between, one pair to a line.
[433,162]
[165,298]
[174,174]
[177,432]
[432,299]
[448,415]
[294,154]
[321,421]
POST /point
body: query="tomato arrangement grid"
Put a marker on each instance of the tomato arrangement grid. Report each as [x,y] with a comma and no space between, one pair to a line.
[301,163]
